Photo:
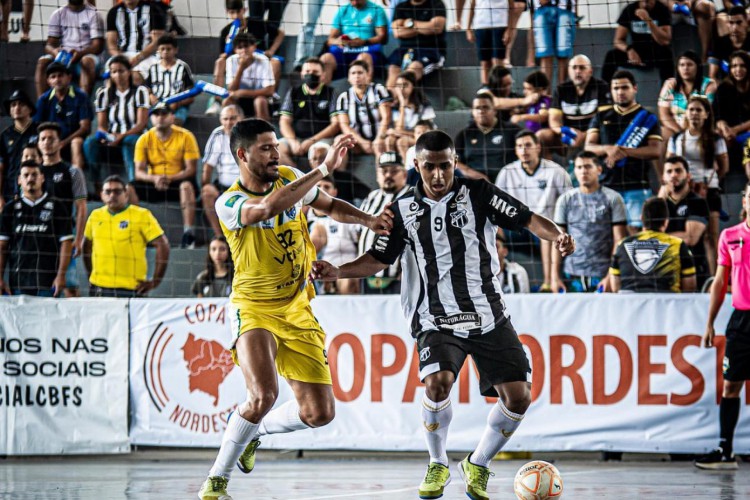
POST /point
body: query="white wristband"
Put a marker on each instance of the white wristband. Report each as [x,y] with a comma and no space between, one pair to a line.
[323,169]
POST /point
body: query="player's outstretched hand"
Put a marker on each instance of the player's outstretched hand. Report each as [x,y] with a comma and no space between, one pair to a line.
[708,336]
[565,244]
[335,157]
[322,270]
[383,223]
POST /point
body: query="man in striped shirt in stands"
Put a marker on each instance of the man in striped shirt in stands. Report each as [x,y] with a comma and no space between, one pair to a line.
[170,76]
[444,232]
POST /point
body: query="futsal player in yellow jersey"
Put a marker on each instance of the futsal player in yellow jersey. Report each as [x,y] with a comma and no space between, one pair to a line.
[273,326]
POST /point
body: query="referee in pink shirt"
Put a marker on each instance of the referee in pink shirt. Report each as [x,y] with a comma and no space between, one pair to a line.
[734,258]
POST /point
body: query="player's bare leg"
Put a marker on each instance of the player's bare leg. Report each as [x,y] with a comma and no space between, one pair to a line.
[437,413]
[256,352]
[502,422]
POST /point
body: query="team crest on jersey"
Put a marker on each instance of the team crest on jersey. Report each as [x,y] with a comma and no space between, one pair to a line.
[45,215]
[543,184]
[57,177]
[682,210]
[424,354]
[645,255]
[323,105]
[291,212]
[497,140]
[124,224]
[18,205]
[459,219]
[49,205]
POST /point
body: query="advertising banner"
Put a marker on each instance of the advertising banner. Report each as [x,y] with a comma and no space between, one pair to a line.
[609,372]
[64,376]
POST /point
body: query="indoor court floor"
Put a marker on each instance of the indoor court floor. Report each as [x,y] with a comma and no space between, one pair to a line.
[166,475]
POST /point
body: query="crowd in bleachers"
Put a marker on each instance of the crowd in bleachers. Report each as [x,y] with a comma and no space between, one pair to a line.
[111,122]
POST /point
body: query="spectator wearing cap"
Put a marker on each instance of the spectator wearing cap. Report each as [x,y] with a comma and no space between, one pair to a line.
[391,175]
[69,107]
[308,114]
[218,157]
[358,32]
[75,30]
[35,238]
[249,78]
[169,77]
[513,276]
[268,35]
[114,249]
[166,160]
[122,116]
[12,141]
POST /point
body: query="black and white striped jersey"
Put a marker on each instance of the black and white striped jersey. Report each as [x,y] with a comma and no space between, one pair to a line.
[448,256]
[374,204]
[166,82]
[364,114]
[134,27]
[121,107]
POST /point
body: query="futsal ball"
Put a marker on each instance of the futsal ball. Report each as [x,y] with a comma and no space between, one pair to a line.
[538,480]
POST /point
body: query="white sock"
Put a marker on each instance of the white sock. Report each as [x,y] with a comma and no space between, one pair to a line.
[501,424]
[285,418]
[436,417]
[237,436]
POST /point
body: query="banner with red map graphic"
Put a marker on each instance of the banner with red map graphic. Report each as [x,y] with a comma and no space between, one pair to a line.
[183,382]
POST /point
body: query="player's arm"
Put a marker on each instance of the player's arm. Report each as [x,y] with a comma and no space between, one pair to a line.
[87,247]
[715,301]
[4,288]
[256,210]
[344,212]
[319,237]
[545,229]
[614,283]
[688,284]
[66,249]
[363,266]
[162,259]
[694,229]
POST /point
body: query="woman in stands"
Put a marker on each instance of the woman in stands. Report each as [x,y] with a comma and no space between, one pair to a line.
[411,106]
[732,105]
[706,153]
[216,279]
[122,114]
[674,95]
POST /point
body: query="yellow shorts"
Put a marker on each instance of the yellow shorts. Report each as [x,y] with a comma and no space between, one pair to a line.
[300,340]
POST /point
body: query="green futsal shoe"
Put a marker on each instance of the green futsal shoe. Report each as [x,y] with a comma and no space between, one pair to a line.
[475,477]
[246,462]
[214,488]
[437,478]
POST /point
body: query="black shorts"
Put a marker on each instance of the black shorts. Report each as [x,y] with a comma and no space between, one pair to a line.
[713,199]
[499,356]
[430,58]
[737,353]
[147,192]
[489,42]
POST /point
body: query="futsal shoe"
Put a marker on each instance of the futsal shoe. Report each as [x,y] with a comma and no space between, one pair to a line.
[716,460]
[437,478]
[246,462]
[475,478]
[214,488]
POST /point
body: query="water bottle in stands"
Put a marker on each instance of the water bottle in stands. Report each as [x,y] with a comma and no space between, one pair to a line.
[742,138]
[233,30]
[681,9]
[724,66]
[104,136]
[64,57]
[569,135]
[407,60]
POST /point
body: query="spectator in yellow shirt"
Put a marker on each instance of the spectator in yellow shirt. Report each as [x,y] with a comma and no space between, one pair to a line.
[166,160]
[114,246]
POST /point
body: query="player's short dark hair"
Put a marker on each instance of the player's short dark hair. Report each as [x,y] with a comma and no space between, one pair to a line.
[434,140]
[315,60]
[425,123]
[120,59]
[655,213]
[623,74]
[495,78]
[115,179]
[485,96]
[32,145]
[244,39]
[329,178]
[588,155]
[737,10]
[167,39]
[537,79]
[678,159]
[360,62]
[50,126]
[234,5]
[245,133]
[527,133]
[31,164]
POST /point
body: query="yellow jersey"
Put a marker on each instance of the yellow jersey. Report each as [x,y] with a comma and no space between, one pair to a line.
[166,157]
[272,258]
[118,255]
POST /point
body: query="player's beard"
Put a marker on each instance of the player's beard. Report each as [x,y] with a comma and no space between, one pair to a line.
[266,176]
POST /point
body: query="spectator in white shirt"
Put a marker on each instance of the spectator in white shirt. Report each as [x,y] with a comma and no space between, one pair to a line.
[513,276]
[250,78]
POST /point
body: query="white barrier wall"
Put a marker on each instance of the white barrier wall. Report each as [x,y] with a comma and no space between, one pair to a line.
[63,376]
[609,372]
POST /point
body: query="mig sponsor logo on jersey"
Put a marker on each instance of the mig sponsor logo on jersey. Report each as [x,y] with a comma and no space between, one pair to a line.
[186,368]
[503,206]
[645,255]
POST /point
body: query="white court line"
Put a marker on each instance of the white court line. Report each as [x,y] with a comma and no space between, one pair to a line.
[350,495]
